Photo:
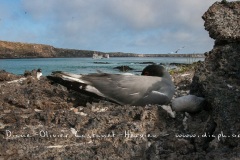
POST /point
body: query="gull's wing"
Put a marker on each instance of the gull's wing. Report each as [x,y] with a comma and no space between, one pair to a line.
[123,89]
[131,89]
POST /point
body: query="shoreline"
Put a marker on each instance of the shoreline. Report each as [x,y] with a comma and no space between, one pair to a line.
[16,50]
[189,55]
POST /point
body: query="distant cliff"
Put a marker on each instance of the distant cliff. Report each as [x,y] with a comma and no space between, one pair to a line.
[27,50]
[24,50]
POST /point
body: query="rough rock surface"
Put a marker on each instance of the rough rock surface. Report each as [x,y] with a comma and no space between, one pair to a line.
[223,22]
[123,68]
[218,78]
[5,76]
[41,120]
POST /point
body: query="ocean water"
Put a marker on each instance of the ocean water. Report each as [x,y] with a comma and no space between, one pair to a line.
[86,65]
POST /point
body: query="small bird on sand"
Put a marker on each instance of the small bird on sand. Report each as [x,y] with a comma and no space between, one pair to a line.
[154,86]
[39,73]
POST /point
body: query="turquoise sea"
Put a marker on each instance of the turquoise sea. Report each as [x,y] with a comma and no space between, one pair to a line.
[86,65]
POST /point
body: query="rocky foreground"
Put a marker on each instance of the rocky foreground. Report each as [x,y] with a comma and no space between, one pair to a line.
[43,120]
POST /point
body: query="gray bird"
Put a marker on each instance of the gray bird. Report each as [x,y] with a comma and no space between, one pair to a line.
[155,86]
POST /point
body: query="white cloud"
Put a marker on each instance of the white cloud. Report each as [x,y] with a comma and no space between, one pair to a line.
[119,25]
[138,14]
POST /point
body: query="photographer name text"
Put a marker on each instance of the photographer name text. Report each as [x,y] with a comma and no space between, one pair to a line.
[46,134]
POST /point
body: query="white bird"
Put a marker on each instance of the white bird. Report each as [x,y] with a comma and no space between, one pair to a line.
[39,73]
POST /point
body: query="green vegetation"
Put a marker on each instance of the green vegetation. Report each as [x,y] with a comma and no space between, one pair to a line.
[183,68]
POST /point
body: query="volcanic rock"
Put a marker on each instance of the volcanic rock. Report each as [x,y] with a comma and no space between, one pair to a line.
[123,68]
[218,77]
[222,21]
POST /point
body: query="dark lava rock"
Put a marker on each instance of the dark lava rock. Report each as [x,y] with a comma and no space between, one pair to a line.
[32,73]
[218,77]
[5,76]
[180,64]
[41,120]
[222,21]
[101,62]
[147,63]
[123,68]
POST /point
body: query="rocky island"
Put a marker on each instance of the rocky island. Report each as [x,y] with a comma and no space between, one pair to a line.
[26,50]
[40,119]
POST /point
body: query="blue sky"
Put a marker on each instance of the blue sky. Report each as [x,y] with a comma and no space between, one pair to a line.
[131,26]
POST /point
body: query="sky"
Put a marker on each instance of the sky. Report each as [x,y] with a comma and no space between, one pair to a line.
[130,26]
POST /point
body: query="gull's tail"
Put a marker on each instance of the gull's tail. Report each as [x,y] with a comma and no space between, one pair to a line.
[76,83]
